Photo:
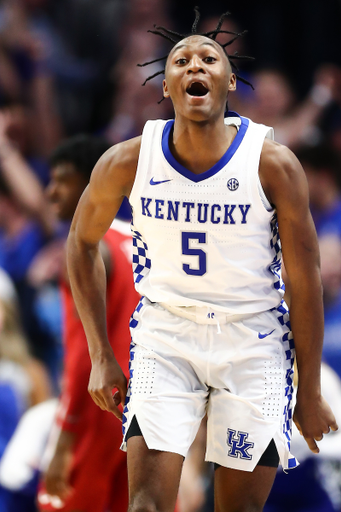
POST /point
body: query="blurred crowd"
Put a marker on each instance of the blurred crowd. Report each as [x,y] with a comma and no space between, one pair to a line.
[69,67]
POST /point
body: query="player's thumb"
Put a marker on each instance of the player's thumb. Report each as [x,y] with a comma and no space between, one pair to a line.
[120,397]
[117,401]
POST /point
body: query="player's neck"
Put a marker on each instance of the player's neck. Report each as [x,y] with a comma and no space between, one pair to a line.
[199,146]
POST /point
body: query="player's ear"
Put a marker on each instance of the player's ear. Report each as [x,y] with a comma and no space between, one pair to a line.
[232,82]
[165,89]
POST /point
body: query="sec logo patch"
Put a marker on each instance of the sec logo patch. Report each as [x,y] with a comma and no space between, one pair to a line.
[232,184]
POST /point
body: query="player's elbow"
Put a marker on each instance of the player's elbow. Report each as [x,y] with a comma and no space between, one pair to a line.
[77,246]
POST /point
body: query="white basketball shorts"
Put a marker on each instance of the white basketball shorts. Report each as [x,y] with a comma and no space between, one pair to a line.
[238,370]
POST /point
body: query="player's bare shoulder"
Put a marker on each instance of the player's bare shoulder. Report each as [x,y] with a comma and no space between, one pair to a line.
[115,171]
[280,171]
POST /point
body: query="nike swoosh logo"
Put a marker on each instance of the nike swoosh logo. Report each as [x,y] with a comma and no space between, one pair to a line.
[261,336]
[152,182]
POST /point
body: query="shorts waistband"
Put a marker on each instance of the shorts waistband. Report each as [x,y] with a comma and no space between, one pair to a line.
[205,315]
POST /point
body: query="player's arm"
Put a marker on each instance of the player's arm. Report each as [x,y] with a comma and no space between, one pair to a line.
[111,180]
[106,257]
[285,185]
[56,478]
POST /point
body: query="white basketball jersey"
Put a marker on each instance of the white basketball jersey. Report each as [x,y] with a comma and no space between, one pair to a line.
[208,239]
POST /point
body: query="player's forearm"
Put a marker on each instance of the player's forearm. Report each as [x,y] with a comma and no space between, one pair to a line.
[306,317]
[88,284]
[76,378]
[65,442]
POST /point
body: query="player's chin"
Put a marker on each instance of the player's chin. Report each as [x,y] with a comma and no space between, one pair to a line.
[56,209]
[202,110]
[199,114]
[62,213]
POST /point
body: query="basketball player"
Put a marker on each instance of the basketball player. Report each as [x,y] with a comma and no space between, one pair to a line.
[210,197]
[87,472]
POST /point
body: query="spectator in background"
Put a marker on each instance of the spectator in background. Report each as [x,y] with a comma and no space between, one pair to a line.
[332,125]
[22,460]
[60,64]
[330,248]
[20,237]
[129,112]
[335,134]
[24,172]
[89,39]
[26,225]
[27,375]
[27,42]
[87,471]
[323,170]
[23,379]
[11,405]
[274,104]
[69,56]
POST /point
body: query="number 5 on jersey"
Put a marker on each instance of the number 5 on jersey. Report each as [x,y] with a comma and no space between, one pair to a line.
[187,250]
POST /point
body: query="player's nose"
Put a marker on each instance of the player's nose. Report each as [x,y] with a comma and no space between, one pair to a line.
[195,65]
[51,191]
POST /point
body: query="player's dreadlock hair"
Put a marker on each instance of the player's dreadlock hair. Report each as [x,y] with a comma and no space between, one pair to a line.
[175,37]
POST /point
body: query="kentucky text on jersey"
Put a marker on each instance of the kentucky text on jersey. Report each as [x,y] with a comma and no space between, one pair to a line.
[187,211]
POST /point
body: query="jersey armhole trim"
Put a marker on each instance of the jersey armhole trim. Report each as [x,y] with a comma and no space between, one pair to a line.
[151,126]
[267,205]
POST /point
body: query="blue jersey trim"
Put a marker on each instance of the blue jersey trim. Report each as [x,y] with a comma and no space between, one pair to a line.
[218,166]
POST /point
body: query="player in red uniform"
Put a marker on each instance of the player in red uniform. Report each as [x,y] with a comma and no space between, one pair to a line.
[87,472]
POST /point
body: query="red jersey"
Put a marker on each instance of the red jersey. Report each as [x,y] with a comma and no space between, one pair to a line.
[122,299]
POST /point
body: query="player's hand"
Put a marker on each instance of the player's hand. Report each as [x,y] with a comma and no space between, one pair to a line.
[313,417]
[56,477]
[105,376]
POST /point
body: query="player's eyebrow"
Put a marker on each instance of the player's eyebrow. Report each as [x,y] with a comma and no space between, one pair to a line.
[178,47]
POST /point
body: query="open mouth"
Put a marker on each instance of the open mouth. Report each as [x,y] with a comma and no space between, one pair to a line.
[197,89]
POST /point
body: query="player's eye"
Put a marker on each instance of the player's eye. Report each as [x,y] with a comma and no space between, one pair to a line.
[181,61]
[210,59]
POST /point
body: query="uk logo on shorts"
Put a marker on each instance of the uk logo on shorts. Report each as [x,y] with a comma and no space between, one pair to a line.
[232,184]
[239,446]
